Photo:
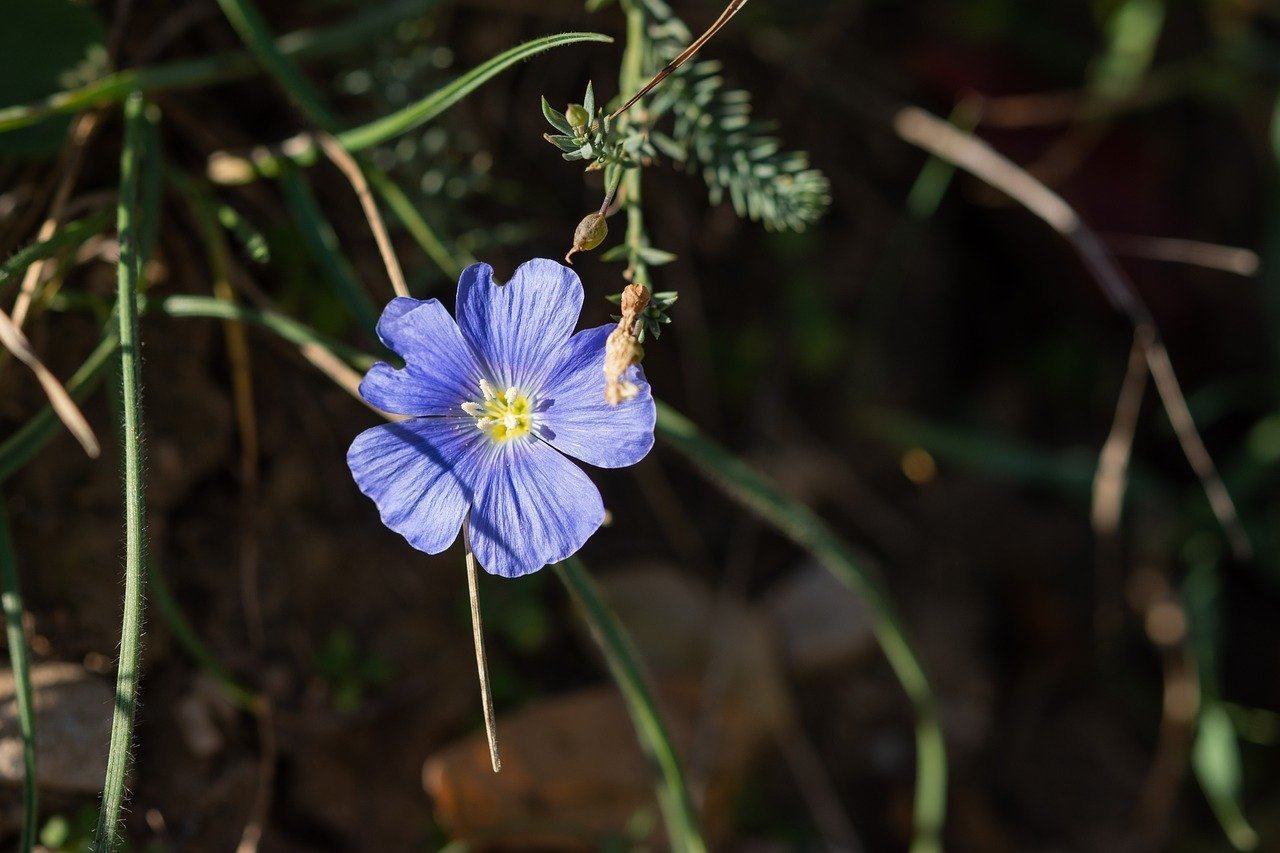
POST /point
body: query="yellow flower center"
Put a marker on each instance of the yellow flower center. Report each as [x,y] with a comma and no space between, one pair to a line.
[503,416]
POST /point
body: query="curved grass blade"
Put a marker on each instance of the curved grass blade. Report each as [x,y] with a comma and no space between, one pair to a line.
[11,599]
[222,67]
[322,242]
[303,151]
[806,529]
[133,226]
[289,329]
[624,665]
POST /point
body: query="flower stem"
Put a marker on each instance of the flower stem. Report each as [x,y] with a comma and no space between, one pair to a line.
[11,598]
[130,266]
[482,660]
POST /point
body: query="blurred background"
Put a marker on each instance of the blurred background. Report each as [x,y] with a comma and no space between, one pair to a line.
[929,367]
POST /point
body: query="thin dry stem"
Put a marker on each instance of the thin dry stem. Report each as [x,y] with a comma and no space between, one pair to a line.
[732,9]
[237,341]
[1165,621]
[966,151]
[12,338]
[1213,256]
[355,175]
[1109,482]
[482,660]
[71,162]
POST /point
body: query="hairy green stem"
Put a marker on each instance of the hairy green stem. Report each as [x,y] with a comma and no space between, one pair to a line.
[11,599]
[624,665]
[127,676]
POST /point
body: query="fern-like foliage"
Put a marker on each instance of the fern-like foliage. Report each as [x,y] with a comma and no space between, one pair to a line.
[715,134]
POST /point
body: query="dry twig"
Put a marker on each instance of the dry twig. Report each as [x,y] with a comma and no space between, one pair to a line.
[966,151]
[351,169]
[12,338]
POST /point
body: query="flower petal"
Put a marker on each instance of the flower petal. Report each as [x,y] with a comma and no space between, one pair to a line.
[578,419]
[537,508]
[440,369]
[516,328]
[421,474]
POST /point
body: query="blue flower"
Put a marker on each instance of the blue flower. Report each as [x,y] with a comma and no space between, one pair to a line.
[495,403]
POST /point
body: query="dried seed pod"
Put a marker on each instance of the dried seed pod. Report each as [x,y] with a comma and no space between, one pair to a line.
[590,233]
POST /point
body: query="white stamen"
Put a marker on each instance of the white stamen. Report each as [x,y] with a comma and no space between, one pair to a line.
[511,395]
[510,421]
[472,409]
[487,390]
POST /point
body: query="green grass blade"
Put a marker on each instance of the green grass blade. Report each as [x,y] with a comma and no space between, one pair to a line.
[11,599]
[301,45]
[18,448]
[321,240]
[254,32]
[798,523]
[127,676]
[286,327]
[624,665]
[303,152]
[68,236]
[417,114]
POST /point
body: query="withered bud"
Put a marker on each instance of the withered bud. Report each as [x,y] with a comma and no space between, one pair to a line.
[577,116]
[590,233]
[635,298]
[622,349]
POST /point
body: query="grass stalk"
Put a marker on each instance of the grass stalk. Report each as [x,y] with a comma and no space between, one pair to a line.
[127,676]
[802,526]
[624,665]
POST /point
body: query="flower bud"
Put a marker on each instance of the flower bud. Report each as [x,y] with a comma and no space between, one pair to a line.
[590,233]
[577,116]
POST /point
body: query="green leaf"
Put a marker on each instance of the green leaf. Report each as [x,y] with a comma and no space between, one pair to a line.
[557,120]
